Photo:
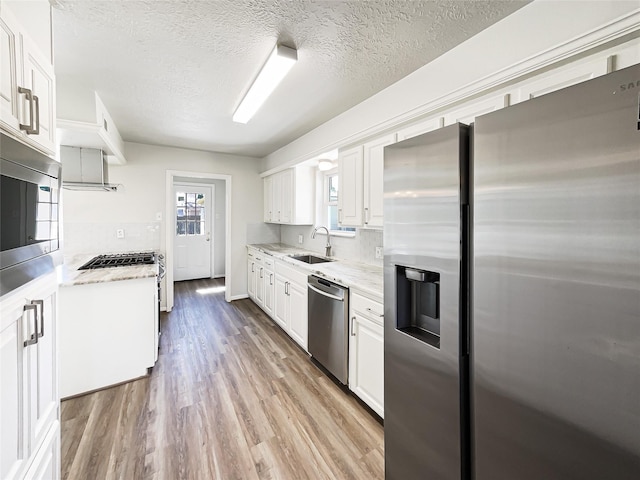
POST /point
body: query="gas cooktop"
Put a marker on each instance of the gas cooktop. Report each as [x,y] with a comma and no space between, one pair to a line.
[120,260]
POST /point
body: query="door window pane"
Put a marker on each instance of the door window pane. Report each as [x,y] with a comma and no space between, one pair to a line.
[190,213]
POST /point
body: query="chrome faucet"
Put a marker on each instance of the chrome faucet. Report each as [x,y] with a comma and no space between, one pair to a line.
[327,247]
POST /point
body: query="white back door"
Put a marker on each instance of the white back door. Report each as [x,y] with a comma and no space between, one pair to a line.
[192,223]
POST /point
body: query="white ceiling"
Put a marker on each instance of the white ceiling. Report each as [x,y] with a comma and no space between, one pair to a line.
[172,72]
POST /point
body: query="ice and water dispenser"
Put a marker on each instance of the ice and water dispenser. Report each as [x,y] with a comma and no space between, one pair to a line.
[418,304]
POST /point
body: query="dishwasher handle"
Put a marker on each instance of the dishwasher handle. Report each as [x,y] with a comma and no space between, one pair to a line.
[334,297]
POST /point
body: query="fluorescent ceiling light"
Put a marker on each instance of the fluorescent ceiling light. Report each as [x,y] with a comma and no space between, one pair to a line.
[278,64]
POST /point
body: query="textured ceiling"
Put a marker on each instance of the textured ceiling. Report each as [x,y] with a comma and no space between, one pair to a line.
[173,72]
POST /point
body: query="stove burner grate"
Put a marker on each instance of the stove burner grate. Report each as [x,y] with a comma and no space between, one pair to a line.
[120,260]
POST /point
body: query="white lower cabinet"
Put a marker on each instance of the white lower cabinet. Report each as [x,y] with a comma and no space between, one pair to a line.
[366,351]
[251,274]
[29,404]
[291,302]
[269,286]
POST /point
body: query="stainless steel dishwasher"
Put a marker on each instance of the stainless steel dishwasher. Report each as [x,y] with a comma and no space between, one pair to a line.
[329,326]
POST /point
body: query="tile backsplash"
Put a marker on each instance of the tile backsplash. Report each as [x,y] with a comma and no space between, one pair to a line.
[100,238]
[361,248]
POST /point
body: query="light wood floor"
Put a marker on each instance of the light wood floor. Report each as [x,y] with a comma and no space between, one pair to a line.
[231,397]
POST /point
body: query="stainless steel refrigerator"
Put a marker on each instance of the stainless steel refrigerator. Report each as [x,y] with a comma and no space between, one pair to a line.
[556,319]
[512,348]
[426,211]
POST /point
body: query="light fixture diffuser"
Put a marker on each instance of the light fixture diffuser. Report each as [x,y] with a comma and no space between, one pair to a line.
[324,165]
[274,70]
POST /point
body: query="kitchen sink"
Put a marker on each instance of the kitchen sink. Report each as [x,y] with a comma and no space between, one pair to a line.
[311,259]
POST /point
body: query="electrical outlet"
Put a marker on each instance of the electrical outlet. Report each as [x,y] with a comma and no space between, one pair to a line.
[120,233]
[300,239]
[379,252]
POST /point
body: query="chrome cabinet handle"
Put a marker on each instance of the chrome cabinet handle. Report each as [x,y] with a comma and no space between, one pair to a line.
[271,279]
[261,273]
[30,128]
[353,322]
[37,129]
[41,303]
[366,215]
[252,267]
[374,313]
[286,288]
[34,336]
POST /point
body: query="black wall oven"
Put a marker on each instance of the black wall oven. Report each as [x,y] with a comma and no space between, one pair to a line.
[29,214]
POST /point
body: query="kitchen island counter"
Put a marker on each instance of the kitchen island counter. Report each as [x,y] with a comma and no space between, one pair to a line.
[69,275]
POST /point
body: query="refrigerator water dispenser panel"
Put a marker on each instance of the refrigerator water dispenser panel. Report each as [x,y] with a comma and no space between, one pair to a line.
[418,305]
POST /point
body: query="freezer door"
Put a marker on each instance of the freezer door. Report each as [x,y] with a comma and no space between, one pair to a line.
[556,320]
[422,292]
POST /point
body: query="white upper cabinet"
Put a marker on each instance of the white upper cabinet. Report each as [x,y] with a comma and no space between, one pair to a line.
[360,170]
[419,128]
[289,197]
[268,198]
[373,180]
[351,176]
[27,87]
[561,78]
[469,111]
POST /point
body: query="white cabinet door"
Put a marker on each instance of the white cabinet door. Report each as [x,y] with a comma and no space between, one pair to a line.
[419,128]
[350,198]
[39,77]
[468,113]
[46,465]
[267,183]
[23,66]
[366,362]
[42,364]
[13,424]
[9,68]
[281,310]
[251,278]
[276,198]
[298,313]
[286,196]
[260,285]
[28,378]
[561,78]
[373,169]
[269,291]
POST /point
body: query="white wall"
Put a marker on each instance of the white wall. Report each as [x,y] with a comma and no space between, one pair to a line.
[530,31]
[91,218]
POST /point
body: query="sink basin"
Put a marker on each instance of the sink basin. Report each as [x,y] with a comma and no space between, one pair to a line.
[310,259]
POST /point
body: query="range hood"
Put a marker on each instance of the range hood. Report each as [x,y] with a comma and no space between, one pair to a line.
[85,169]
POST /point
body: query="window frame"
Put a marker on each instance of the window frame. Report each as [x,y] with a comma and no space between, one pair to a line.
[327,203]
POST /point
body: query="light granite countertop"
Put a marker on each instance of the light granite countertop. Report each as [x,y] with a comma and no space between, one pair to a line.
[69,275]
[361,277]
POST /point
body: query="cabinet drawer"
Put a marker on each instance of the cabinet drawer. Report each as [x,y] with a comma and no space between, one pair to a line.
[292,273]
[367,307]
[267,261]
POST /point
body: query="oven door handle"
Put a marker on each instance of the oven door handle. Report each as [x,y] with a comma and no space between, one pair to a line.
[334,297]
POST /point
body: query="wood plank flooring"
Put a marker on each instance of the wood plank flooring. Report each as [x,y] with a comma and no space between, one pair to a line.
[231,397]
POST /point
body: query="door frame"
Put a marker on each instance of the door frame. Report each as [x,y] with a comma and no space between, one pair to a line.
[169,208]
[211,222]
